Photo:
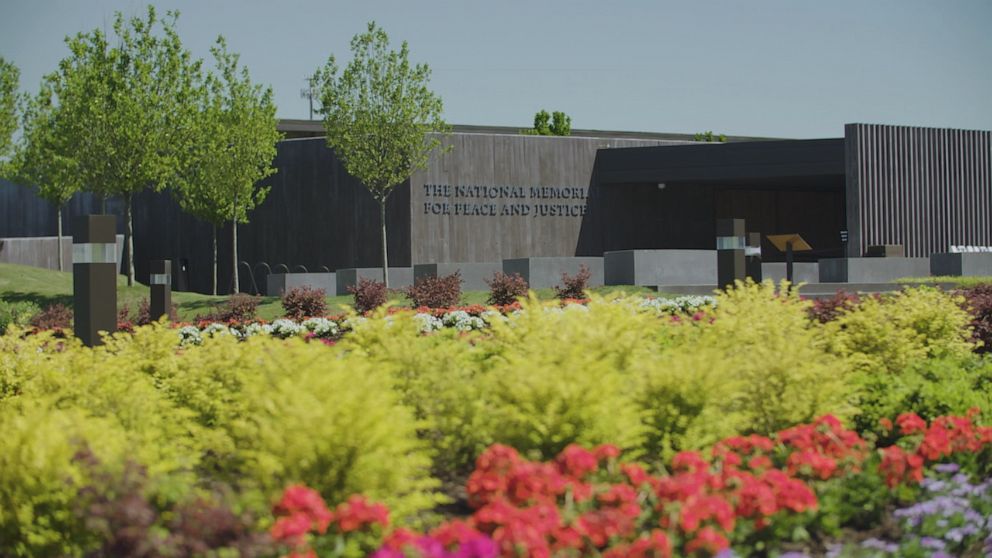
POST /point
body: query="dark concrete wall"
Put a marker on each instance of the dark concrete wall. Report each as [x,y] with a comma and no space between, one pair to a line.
[924,188]
[315,215]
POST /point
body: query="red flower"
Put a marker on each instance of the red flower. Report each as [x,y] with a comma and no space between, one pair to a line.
[911,423]
[576,461]
[291,529]
[358,513]
[709,540]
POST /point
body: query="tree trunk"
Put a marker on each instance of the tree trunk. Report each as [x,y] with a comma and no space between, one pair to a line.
[59,233]
[129,231]
[103,204]
[385,257]
[234,260]
[213,288]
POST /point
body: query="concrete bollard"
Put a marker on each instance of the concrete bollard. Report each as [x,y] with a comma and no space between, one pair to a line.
[730,247]
[94,277]
[160,284]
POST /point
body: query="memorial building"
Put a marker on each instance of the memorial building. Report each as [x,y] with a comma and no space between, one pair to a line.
[498,195]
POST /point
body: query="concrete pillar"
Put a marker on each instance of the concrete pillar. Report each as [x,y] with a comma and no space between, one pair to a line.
[94,277]
[730,244]
[160,284]
[752,256]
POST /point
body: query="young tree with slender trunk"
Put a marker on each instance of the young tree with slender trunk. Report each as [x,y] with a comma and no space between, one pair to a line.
[235,146]
[39,161]
[127,111]
[378,113]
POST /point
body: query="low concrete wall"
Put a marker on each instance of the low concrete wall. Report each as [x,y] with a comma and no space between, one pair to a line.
[474,274]
[42,251]
[278,283]
[968,263]
[802,272]
[399,277]
[872,270]
[660,267]
[544,273]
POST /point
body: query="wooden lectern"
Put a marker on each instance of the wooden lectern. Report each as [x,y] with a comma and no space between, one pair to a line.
[789,243]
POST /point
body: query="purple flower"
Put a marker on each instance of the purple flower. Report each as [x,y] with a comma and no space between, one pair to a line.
[947,468]
[478,547]
[932,543]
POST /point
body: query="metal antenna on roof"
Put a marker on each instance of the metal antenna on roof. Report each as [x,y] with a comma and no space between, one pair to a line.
[308,93]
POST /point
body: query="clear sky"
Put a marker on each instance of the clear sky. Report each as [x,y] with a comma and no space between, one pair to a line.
[781,68]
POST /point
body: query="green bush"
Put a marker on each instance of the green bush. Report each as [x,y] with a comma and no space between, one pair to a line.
[891,333]
[556,376]
[16,314]
[439,377]
[929,388]
[760,366]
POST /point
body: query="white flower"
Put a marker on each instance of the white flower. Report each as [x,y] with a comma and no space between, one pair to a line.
[427,322]
[190,335]
[216,328]
[256,328]
[320,327]
[490,316]
[286,328]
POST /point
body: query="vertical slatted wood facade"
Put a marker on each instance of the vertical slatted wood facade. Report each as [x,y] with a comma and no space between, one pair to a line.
[924,188]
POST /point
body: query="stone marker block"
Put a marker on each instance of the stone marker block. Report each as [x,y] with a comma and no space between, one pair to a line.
[399,277]
[545,272]
[802,272]
[967,263]
[886,251]
[660,267]
[278,283]
[872,270]
[474,274]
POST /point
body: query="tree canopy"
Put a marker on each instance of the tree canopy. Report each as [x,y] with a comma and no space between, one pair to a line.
[126,112]
[9,76]
[378,113]
[555,124]
[234,148]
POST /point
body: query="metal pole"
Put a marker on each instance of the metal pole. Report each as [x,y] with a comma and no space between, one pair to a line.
[94,277]
[788,262]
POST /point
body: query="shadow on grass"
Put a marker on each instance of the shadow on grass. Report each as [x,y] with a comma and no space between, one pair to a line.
[42,301]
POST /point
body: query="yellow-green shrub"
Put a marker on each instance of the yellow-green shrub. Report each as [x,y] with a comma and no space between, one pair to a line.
[258,415]
[39,478]
[890,333]
[439,377]
[759,366]
[554,376]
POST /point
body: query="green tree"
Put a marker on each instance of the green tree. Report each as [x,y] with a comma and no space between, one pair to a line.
[379,114]
[9,75]
[709,137]
[127,111]
[39,160]
[554,124]
[235,146]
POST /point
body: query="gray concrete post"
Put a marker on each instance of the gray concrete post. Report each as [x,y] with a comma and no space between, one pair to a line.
[730,244]
[94,277]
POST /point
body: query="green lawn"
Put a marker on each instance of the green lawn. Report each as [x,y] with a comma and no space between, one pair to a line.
[44,287]
[956,280]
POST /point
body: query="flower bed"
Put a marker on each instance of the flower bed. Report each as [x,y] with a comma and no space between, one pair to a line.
[751,494]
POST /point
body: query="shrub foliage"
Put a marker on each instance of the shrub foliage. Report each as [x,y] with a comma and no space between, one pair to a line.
[304,302]
[369,294]
[436,292]
[506,289]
